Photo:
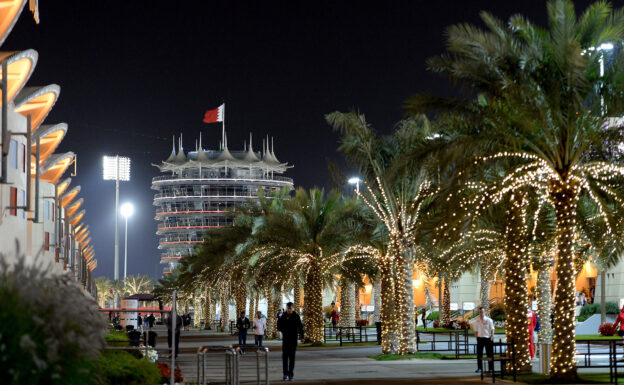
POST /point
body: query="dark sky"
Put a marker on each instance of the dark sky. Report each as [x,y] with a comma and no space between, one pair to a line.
[133,73]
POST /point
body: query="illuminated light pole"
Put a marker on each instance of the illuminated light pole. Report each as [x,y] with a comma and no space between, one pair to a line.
[116,168]
[127,209]
[356,181]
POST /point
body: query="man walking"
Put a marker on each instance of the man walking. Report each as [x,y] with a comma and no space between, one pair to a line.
[290,326]
[335,317]
[484,331]
[242,324]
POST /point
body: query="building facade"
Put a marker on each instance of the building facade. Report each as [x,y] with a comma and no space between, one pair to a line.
[41,220]
[200,189]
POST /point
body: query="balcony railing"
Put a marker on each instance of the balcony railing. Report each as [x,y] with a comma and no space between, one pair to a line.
[176,179]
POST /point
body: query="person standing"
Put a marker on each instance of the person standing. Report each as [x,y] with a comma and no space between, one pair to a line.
[532,318]
[139,322]
[259,325]
[178,326]
[289,324]
[150,321]
[278,334]
[620,320]
[334,316]
[423,315]
[242,324]
[484,331]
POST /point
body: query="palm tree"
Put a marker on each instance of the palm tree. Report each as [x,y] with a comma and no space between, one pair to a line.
[103,286]
[554,102]
[306,236]
[135,284]
[397,193]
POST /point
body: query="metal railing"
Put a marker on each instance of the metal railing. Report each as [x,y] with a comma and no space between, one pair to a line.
[194,179]
[349,334]
[242,362]
[457,341]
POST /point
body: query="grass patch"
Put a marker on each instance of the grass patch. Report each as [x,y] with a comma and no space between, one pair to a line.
[585,378]
[581,337]
[420,355]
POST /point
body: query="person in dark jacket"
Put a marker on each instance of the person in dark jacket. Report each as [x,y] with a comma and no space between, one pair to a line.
[178,326]
[291,327]
[242,324]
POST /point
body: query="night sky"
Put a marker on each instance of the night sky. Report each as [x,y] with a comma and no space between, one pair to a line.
[134,73]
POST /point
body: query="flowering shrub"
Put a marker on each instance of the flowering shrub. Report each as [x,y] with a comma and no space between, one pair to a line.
[165,373]
[606,329]
[50,330]
[361,322]
[152,355]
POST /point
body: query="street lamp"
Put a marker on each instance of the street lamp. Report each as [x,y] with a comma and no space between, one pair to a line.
[356,181]
[127,209]
[116,168]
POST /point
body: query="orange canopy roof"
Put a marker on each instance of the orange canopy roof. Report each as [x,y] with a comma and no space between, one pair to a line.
[9,13]
[50,136]
[69,196]
[85,243]
[37,102]
[20,65]
[55,166]
[73,207]
[76,218]
[62,186]
[82,236]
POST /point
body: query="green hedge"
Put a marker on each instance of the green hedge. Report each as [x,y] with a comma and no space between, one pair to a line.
[120,367]
[433,316]
[594,308]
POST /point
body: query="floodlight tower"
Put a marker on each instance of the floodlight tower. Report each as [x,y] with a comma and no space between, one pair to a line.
[116,168]
[127,209]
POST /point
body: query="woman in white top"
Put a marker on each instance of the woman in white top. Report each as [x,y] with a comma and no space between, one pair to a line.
[259,325]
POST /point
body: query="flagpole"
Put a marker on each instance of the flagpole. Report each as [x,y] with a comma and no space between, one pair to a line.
[223,127]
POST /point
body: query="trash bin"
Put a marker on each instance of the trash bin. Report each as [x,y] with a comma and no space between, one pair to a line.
[378,328]
[151,338]
[135,337]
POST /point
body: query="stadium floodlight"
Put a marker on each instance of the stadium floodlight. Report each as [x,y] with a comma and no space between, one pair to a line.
[116,168]
[356,181]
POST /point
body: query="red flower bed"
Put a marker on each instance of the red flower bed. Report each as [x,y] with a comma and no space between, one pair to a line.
[165,373]
[606,329]
[361,322]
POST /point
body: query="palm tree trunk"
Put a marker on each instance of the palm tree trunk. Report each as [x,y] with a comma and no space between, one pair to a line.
[357,306]
[446,305]
[297,296]
[199,312]
[314,303]
[516,294]
[277,305]
[241,299]
[256,304]
[484,292]
[390,326]
[252,312]
[544,304]
[562,363]
[209,315]
[347,311]
[377,299]
[405,295]
[270,317]
[225,305]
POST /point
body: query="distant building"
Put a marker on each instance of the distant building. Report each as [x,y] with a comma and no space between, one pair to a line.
[40,209]
[201,186]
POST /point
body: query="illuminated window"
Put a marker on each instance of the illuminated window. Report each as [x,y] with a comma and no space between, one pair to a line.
[13,153]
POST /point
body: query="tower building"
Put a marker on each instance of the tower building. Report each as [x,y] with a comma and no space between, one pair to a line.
[200,187]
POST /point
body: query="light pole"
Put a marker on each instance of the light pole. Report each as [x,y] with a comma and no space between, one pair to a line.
[116,168]
[356,181]
[127,209]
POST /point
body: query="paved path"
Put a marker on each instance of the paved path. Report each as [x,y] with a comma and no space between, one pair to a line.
[345,365]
